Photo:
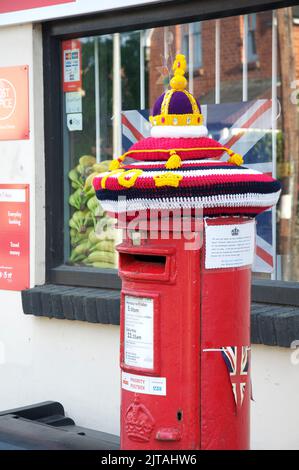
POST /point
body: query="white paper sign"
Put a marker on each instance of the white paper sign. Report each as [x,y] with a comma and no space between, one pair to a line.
[74,122]
[229,246]
[12,195]
[139,332]
[73,102]
[143,384]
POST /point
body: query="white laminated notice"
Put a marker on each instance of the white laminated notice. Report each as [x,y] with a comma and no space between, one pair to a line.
[143,384]
[73,102]
[229,246]
[139,332]
[74,122]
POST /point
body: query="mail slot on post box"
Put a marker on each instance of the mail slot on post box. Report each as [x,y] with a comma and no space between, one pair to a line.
[185,263]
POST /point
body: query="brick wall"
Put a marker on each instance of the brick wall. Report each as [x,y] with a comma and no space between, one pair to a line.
[230,57]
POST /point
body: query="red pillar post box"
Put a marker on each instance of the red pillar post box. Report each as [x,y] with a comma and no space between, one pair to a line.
[185,312]
[176,316]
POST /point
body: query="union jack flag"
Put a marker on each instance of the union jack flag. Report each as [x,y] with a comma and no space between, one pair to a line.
[237,361]
[246,127]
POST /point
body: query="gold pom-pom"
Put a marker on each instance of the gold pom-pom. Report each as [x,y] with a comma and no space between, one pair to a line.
[114,165]
[178,83]
[236,159]
[174,161]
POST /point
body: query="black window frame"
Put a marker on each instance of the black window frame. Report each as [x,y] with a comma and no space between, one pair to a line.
[150,15]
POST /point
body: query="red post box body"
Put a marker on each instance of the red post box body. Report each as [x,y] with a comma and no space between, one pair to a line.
[176,316]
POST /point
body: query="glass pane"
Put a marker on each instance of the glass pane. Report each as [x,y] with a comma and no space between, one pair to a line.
[287,144]
[90,235]
[260,55]
[231,74]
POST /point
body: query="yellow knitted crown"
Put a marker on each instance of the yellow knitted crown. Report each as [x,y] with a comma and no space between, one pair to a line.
[178,83]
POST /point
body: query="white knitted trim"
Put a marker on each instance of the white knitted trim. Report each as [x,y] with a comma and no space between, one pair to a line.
[179,131]
[162,162]
[207,202]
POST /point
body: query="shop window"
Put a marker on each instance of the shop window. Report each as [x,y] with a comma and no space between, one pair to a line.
[122,75]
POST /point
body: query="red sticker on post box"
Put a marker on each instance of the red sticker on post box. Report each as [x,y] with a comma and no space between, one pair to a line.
[139,332]
[229,246]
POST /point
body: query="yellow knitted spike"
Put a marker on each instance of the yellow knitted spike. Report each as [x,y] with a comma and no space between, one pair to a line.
[178,81]
[236,159]
[174,161]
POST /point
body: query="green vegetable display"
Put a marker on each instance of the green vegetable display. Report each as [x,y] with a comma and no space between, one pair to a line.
[92,232]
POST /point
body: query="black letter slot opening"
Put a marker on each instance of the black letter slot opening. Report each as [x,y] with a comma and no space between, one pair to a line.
[143,263]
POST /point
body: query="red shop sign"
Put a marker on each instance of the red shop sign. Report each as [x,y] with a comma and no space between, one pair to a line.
[14,103]
[7,6]
[72,65]
[14,236]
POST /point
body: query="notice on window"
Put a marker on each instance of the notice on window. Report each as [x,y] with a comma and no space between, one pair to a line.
[139,332]
[72,65]
[74,122]
[73,102]
[14,236]
[143,384]
[229,246]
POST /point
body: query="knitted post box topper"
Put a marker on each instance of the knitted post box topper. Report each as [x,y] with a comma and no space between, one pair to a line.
[179,166]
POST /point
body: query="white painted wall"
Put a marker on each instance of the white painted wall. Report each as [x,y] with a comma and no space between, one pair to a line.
[77,363]
[42,359]
[275,411]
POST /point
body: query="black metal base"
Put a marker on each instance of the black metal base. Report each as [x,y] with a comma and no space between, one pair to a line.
[44,426]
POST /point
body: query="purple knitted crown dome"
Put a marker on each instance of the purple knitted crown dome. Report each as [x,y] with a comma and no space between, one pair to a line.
[179,103]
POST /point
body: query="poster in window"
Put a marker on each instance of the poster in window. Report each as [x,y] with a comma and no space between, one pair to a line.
[72,65]
[14,236]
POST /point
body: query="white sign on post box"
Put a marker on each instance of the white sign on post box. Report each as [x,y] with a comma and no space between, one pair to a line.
[139,332]
[229,246]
